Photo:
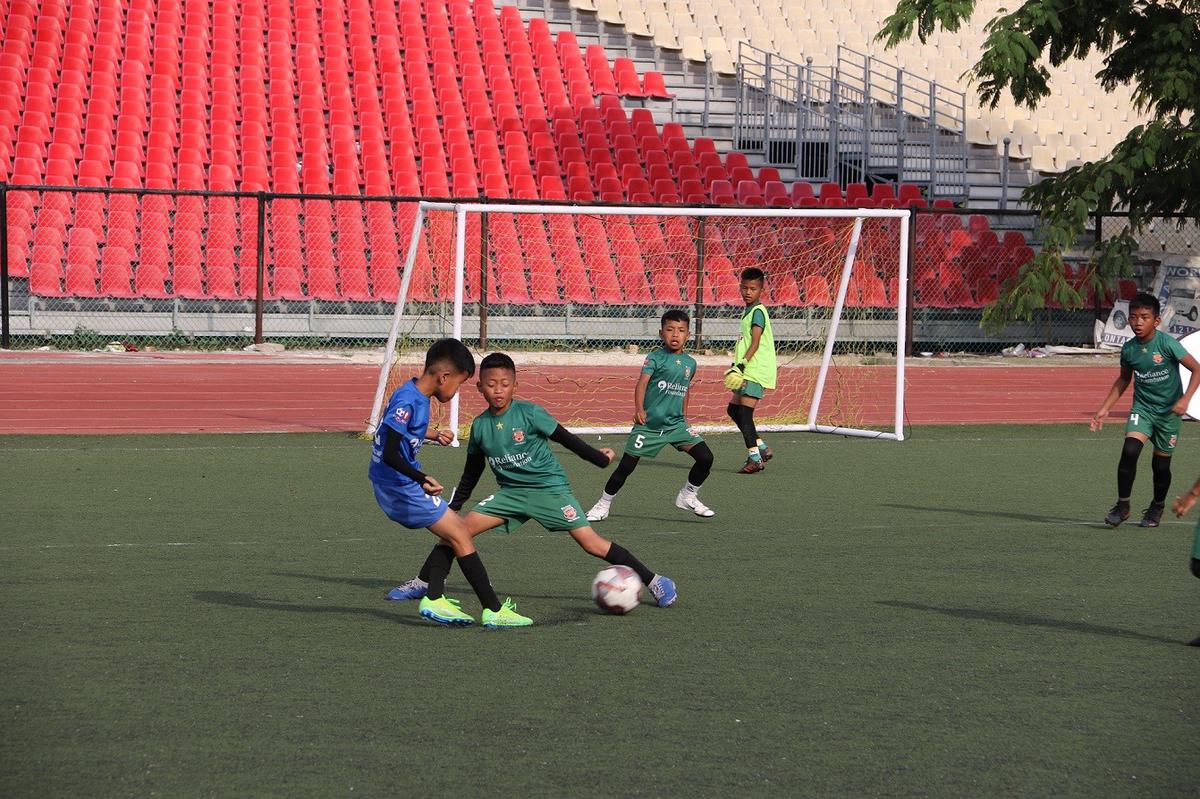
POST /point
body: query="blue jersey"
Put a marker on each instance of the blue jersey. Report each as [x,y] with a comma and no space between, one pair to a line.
[407,414]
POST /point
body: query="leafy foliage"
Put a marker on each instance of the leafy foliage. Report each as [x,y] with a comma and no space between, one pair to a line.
[1151,173]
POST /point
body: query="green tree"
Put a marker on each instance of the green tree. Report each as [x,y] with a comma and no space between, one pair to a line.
[1154,171]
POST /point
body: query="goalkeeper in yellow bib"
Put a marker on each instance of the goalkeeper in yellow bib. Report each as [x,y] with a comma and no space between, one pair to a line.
[753,369]
[660,418]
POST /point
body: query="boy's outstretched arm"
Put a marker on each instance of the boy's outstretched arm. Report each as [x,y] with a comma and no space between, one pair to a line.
[466,484]
[393,457]
[639,399]
[1192,366]
[1185,502]
[596,457]
[1118,388]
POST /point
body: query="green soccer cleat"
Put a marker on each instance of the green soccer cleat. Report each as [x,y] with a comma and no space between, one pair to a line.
[445,610]
[506,616]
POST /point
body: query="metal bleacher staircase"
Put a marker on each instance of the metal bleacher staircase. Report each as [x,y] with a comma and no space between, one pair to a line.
[861,119]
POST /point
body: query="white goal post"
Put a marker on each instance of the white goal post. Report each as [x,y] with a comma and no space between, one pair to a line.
[884,313]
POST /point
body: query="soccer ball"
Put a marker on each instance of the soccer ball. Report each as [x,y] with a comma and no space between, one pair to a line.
[617,589]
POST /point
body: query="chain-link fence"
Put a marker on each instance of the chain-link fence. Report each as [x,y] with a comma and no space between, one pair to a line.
[84,267]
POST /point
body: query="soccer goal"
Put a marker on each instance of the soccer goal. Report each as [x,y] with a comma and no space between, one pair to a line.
[575,295]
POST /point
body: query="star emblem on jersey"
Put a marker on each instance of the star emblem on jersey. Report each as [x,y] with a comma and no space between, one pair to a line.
[519,436]
[569,513]
[499,425]
[1158,357]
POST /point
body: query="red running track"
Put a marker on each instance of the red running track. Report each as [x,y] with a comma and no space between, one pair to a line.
[200,393]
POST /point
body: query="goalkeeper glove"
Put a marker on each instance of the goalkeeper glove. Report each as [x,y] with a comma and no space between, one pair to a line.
[734,377]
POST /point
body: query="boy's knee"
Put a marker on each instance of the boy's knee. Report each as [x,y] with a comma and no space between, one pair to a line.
[1132,448]
[591,541]
[734,411]
[1196,567]
[702,454]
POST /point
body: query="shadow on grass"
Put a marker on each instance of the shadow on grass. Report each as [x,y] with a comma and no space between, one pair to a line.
[994,514]
[1024,620]
[357,582]
[236,599]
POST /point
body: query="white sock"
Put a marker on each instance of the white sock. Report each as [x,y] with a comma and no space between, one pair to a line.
[761,444]
[606,498]
[690,489]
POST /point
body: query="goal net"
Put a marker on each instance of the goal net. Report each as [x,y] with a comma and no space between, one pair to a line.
[575,294]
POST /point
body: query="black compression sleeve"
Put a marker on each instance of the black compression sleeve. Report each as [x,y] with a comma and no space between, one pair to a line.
[393,457]
[466,484]
[562,435]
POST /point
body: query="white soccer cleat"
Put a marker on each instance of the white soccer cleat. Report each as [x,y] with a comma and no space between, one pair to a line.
[598,513]
[691,502]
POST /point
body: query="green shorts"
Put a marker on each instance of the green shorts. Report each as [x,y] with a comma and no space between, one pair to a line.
[750,389]
[1196,543]
[553,508]
[646,443]
[1161,428]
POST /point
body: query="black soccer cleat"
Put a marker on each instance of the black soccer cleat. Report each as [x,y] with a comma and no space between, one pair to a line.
[1195,641]
[1152,516]
[1118,514]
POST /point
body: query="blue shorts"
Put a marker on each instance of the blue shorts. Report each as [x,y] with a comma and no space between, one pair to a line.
[409,505]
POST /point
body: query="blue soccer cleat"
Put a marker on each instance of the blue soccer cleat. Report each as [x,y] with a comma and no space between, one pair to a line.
[413,589]
[663,590]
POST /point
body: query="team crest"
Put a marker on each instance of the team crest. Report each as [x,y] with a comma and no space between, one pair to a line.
[1173,440]
[402,414]
[1158,357]
[569,513]
[687,372]
[519,436]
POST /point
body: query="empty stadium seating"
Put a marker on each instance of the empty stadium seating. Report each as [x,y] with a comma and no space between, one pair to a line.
[437,98]
[1078,119]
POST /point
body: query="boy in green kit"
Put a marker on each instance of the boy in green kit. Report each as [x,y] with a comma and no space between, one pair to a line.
[1151,360]
[512,436]
[1182,505]
[660,418]
[753,369]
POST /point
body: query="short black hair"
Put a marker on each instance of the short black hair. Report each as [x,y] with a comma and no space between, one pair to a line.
[497,360]
[1145,299]
[452,353]
[674,315]
[754,273]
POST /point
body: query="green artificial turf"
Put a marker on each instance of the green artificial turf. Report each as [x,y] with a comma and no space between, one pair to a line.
[204,616]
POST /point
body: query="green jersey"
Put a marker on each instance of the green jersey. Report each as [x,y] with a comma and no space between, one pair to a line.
[1155,365]
[516,446]
[670,376]
[761,368]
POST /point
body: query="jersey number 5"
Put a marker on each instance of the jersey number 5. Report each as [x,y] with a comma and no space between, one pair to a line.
[639,441]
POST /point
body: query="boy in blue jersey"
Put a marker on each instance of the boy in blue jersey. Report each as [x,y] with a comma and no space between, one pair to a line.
[412,498]
[1151,361]
[512,436]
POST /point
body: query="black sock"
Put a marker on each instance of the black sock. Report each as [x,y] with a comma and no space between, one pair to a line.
[1127,469]
[477,576]
[743,417]
[435,569]
[1160,465]
[620,556]
[1196,567]
[617,479]
[702,466]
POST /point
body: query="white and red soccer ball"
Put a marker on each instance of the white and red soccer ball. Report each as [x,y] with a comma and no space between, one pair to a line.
[617,589]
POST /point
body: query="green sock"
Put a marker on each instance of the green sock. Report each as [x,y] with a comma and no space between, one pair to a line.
[755,455]
[762,444]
